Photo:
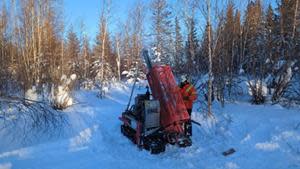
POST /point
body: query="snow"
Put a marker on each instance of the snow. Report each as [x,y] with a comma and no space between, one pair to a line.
[247,138]
[264,137]
[289,74]
[258,84]
[61,96]
[242,71]
[19,153]
[231,165]
[125,72]
[31,94]
[280,64]
[156,55]
[79,142]
[5,166]
[73,77]
[267,146]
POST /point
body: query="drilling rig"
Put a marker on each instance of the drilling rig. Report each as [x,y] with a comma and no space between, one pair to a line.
[157,118]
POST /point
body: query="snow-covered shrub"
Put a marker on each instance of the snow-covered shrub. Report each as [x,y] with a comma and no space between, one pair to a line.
[87,84]
[292,94]
[61,95]
[132,74]
[31,95]
[258,90]
[282,80]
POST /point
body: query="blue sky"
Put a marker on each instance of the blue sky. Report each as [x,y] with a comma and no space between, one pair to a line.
[88,12]
[77,11]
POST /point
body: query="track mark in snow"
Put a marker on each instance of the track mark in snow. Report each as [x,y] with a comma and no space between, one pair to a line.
[5,166]
[22,153]
[82,140]
[247,138]
[231,165]
[267,146]
[288,135]
[117,100]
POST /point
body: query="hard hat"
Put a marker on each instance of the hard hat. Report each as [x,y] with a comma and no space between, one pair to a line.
[183,78]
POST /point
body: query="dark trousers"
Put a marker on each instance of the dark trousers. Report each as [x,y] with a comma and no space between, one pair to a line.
[188,124]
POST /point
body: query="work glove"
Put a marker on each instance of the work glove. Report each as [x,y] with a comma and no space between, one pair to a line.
[186,98]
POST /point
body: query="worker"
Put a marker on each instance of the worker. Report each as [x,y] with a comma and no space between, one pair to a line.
[189,95]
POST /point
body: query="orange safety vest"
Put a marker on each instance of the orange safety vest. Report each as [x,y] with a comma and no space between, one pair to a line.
[188,91]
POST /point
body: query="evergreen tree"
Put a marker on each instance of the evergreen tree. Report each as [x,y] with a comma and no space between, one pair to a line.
[104,65]
[85,57]
[250,37]
[191,49]
[179,50]
[238,40]
[255,55]
[229,41]
[102,51]
[72,53]
[271,37]
[203,54]
[162,31]
[289,20]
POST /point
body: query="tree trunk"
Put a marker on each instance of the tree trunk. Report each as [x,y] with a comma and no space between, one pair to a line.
[118,58]
[210,74]
[295,18]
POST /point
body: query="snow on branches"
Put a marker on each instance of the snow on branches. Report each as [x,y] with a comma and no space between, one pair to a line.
[60,95]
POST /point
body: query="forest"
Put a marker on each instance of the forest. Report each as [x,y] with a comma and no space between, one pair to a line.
[42,57]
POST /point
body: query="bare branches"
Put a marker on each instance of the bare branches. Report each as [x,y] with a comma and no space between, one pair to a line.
[23,119]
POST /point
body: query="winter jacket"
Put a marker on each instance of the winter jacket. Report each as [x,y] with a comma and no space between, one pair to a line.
[189,94]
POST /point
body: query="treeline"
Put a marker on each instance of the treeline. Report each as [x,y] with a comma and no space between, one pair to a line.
[263,46]
[259,43]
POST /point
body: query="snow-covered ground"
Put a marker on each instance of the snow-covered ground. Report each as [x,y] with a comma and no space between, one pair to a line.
[264,137]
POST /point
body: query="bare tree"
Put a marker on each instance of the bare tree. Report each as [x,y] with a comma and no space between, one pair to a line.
[85,55]
[210,73]
[118,60]
[138,16]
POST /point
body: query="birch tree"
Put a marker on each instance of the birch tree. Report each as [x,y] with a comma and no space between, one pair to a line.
[210,73]
[102,50]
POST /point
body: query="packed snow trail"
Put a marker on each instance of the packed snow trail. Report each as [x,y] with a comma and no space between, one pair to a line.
[265,137]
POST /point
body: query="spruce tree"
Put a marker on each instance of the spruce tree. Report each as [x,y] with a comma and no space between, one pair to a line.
[72,53]
[162,31]
[179,50]
[191,49]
